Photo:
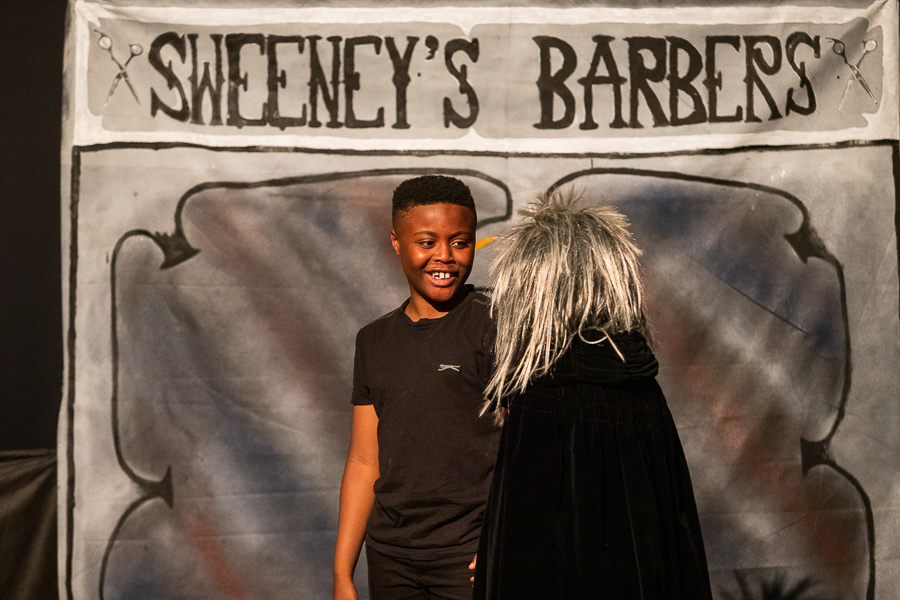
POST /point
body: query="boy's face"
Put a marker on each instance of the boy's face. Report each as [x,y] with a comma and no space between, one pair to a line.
[436,244]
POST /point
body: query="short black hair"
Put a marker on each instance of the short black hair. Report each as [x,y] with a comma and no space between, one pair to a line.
[431,189]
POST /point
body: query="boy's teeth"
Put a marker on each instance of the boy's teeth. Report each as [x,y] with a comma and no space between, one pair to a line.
[441,275]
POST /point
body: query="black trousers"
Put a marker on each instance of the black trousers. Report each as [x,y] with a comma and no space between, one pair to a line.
[392,578]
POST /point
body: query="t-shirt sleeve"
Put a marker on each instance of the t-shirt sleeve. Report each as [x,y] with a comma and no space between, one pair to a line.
[486,356]
[360,395]
[485,344]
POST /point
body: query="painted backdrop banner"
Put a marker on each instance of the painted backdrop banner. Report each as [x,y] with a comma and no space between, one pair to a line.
[227,176]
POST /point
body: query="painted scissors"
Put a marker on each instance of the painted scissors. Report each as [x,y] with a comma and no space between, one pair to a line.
[840,49]
[105,42]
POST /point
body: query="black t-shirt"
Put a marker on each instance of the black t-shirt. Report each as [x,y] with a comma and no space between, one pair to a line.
[426,380]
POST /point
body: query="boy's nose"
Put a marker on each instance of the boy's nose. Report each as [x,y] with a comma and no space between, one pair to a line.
[442,252]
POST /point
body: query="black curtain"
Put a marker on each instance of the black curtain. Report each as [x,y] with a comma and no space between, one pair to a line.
[28,525]
[31,331]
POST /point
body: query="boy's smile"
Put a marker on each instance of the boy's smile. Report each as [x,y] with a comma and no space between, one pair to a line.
[436,244]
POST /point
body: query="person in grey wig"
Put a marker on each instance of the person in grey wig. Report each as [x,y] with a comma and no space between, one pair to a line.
[591,495]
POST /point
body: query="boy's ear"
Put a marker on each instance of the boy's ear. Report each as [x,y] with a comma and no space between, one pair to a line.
[395,242]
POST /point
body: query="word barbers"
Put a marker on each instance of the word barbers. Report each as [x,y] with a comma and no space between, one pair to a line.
[691,80]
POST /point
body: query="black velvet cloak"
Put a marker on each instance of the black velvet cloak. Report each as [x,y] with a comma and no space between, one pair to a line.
[591,495]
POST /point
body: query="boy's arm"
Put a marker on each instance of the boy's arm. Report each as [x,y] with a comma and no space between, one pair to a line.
[357,498]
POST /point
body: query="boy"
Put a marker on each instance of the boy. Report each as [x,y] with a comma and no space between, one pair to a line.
[420,458]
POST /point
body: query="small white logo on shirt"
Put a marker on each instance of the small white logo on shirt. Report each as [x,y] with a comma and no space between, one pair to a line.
[445,367]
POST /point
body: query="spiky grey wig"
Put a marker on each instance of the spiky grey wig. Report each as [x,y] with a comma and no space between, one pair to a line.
[566,270]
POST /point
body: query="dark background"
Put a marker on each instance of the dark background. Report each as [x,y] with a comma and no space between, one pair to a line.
[31,331]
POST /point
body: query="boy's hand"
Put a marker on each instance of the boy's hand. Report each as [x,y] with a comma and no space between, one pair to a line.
[471,567]
[344,589]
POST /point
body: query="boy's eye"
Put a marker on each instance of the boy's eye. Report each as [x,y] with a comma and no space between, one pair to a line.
[461,243]
[426,243]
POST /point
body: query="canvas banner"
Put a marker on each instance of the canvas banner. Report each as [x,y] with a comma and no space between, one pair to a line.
[227,181]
